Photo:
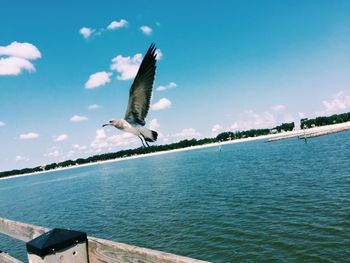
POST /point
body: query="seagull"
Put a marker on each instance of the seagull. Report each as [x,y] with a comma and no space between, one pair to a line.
[139,101]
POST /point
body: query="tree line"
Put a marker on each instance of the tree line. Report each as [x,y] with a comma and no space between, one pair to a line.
[224,136]
[321,121]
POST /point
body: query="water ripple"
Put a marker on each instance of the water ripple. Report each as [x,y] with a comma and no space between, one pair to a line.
[254,202]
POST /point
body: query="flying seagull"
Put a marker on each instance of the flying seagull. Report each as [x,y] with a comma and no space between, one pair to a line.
[139,101]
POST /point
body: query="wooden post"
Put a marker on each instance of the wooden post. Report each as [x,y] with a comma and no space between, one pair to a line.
[99,250]
[58,245]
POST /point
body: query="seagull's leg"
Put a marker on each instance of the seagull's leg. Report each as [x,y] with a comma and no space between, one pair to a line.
[142,142]
[145,140]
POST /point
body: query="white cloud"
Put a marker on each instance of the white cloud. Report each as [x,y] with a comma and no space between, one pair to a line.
[154,124]
[216,128]
[60,138]
[146,30]
[79,147]
[117,24]
[17,56]
[253,120]
[98,79]
[2,124]
[159,54]
[169,86]
[278,107]
[100,134]
[53,153]
[339,102]
[86,32]
[301,114]
[78,118]
[20,50]
[187,133]
[94,107]
[161,104]
[29,136]
[126,66]
[15,66]
[69,154]
[102,141]
[21,158]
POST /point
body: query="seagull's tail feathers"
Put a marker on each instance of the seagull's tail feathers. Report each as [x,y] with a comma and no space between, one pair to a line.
[149,135]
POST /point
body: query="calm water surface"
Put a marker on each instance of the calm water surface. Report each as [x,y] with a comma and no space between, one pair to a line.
[285,201]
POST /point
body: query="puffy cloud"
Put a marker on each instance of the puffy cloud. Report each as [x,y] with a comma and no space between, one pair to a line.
[100,134]
[78,118]
[161,104]
[98,79]
[159,54]
[86,32]
[15,66]
[60,138]
[94,107]
[154,124]
[53,153]
[216,128]
[117,24]
[187,133]
[29,136]
[17,58]
[102,141]
[253,120]
[75,149]
[126,66]
[20,50]
[278,107]
[20,158]
[339,102]
[301,114]
[146,30]
[79,147]
[2,124]
[169,86]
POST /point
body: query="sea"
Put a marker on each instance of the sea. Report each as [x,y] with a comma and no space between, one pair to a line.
[284,201]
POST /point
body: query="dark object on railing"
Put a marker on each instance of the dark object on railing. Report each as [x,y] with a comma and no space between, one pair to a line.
[54,241]
[98,250]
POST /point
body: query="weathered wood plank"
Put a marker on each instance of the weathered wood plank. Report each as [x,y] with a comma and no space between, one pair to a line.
[6,258]
[100,250]
[21,231]
[105,251]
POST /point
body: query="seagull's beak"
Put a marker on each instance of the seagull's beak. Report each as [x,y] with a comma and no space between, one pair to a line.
[106,124]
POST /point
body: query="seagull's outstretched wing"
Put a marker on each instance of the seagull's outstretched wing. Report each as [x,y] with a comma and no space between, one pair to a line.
[141,89]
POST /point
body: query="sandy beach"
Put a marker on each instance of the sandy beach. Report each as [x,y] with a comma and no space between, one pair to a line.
[312,132]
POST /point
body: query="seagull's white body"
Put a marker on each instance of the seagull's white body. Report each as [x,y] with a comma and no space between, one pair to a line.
[123,125]
[139,101]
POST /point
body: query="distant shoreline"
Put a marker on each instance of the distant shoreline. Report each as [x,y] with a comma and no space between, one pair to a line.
[311,132]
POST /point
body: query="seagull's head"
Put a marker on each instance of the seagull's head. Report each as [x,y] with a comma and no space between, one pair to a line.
[114,122]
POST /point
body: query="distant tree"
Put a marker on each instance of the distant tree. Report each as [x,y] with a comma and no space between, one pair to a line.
[285,127]
[325,120]
[224,136]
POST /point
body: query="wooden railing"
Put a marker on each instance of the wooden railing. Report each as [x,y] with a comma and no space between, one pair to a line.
[99,250]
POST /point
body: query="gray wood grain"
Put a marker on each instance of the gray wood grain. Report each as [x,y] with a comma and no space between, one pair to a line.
[99,250]
[21,231]
[6,258]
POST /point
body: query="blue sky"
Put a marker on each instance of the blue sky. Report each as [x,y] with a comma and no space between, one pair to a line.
[222,65]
